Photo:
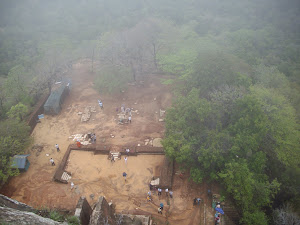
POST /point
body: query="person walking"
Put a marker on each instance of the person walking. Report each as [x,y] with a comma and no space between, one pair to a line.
[52,162]
[112,158]
[93,138]
[161,206]
[100,104]
[129,119]
[127,151]
[149,193]
[57,147]
[198,201]
[125,175]
[159,191]
[195,201]
[171,194]
[125,158]
[159,210]
[148,198]
[167,191]
[72,185]
[209,193]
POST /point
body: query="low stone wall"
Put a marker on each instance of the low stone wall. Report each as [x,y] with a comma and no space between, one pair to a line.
[61,168]
[39,109]
[104,150]
[149,150]
[166,175]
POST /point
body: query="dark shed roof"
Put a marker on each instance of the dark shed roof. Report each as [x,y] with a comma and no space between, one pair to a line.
[19,161]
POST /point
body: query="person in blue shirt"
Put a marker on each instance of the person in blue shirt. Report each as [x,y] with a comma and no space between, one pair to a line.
[124,175]
[161,205]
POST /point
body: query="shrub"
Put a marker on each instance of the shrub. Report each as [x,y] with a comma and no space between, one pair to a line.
[73,220]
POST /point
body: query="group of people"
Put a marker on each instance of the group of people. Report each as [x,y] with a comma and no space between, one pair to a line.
[51,159]
[197,201]
[125,111]
[112,158]
[161,205]
[168,193]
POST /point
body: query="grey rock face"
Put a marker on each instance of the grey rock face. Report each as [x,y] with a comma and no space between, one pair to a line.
[14,216]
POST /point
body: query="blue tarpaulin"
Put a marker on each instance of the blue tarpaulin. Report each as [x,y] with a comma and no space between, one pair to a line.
[219,210]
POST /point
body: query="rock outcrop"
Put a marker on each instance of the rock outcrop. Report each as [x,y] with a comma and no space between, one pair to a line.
[14,216]
[14,212]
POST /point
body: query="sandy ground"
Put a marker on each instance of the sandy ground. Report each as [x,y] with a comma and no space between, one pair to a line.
[106,178]
[95,175]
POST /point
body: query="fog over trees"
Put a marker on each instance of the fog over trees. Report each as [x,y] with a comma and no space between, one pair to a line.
[236,76]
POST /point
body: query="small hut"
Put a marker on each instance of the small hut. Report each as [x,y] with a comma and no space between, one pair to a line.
[21,162]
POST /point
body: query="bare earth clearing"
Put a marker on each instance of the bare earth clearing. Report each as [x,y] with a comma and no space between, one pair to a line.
[94,175]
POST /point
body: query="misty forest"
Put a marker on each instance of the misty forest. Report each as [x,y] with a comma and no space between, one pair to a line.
[234,68]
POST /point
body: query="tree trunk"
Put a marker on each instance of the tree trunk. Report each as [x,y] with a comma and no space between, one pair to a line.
[93,60]
[133,71]
[154,55]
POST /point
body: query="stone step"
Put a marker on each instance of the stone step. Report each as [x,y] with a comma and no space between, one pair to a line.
[65,176]
[116,155]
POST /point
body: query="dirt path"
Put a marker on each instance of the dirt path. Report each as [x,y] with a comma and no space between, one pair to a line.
[94,175]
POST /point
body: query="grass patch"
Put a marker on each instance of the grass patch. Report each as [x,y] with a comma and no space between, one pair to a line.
[73,220]
[55,215]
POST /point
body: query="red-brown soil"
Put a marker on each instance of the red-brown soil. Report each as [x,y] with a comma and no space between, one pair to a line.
[95,175]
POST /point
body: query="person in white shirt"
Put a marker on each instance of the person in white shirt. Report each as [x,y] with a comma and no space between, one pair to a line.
[57,147]
[52,162]
[167,191]
[159,191]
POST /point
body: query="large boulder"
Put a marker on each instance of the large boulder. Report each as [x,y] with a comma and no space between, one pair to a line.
[14,216]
